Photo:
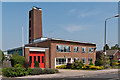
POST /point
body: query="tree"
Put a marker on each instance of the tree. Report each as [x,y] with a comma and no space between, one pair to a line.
[107,47]
[2,57]
[17,59]
[101,61]
[91,63]
[116,47]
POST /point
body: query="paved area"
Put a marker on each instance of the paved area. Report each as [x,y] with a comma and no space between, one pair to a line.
[74,74]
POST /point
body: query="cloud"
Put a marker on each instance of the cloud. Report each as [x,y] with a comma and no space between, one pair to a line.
[72,11]
[87,14]
[74,28]
[84,13]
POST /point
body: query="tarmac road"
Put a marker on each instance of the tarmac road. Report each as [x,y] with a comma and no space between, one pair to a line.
[111,74]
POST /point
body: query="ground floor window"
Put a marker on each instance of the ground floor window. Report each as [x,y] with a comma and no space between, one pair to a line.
[60,61]
[90,59]
[69,60]
[84,60]
[76,59]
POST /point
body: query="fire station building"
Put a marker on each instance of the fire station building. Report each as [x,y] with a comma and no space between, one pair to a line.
[50,52]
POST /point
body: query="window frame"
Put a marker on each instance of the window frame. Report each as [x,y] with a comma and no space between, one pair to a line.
[76,48]
[85,50]
[82,59]
[91,51]
[60,63]
[61,49]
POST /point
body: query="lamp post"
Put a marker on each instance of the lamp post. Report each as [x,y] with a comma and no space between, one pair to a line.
[117,15]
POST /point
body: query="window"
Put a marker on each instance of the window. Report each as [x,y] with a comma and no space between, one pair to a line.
[76,49]
[69,60]
[29,24]
[91,50]
[60,61]
[42,59]
[39,59]
[83,49]
[90,59]
[76,59]
[62,48]
[29,33]
[84,60]
[118,56]
[30,14]
[34,58]
[30,59]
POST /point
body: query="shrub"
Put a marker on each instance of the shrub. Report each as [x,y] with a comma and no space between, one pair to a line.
[17,59]
[77,65]
[92,67]
[61,67]
[36,71]
[69,65]
[56,71]
[29,71]
[16,71]
[49,71]
[36,64]
[91,63]
[117,64]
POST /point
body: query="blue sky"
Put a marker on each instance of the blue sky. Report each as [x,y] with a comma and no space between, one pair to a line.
[81,21]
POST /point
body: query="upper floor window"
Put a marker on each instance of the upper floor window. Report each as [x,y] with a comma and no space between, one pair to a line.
[83,49]
[76,49]
[91,50]
[62,48]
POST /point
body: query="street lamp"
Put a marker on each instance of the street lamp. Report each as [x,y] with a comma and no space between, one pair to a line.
[117,15]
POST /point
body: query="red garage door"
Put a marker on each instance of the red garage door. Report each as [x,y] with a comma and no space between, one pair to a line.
[37,56]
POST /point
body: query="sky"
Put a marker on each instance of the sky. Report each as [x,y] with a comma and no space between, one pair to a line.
[79,21]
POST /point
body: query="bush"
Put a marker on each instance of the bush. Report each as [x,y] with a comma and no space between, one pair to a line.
[61,67]
[77,65]
[69,65]
[16,71]
[49,71]
[92,67]
[36,64]
[56,71]
[17,59]
[117,64]
[36,71]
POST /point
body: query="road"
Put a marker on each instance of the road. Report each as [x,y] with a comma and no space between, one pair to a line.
[111,74]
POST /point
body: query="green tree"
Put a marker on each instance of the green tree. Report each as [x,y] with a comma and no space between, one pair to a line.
[36,64]
[116,47]
[91,63]
[17,59]
[2,57]
[107,47]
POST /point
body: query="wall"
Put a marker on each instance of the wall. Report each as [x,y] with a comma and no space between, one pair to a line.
[72,55]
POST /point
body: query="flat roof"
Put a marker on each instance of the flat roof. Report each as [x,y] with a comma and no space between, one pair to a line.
[47,39]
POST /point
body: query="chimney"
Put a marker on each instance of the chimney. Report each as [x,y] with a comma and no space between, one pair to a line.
[35,24]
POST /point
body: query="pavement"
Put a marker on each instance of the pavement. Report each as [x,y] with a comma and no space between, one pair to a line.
[74,74]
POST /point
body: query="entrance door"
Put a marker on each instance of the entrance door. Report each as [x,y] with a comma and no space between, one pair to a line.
[37,56]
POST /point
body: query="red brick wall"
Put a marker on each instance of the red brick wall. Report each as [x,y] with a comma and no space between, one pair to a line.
[73,55]
[115,56]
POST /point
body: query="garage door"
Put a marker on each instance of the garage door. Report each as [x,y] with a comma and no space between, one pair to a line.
[37,56]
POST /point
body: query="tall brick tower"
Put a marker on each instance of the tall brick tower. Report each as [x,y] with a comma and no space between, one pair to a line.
[35,24]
